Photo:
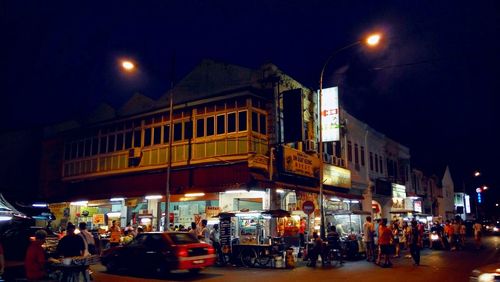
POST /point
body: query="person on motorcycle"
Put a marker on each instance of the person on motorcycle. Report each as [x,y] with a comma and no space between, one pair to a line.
[333,239]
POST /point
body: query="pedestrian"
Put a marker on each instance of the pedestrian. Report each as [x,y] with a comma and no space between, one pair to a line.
[477,234]
[384,242]
[193,230]
[90,247]
[395,238]
[333,239]
[115,234]
[415,242]
[205,232]
[140,230]
[456,234]
[368,234]
[215,240]
[71,245]
[35,261]
[463,231]
[316,250]
[448,230]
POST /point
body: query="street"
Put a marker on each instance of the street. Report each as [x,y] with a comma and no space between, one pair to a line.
[435,266]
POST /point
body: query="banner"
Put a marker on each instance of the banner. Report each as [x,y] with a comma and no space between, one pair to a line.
[336,176]
[330,114]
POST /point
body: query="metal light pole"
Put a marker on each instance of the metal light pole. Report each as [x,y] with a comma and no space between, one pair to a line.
[371,41]
[170,141]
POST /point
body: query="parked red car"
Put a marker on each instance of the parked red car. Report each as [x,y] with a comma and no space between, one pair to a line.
[159,253]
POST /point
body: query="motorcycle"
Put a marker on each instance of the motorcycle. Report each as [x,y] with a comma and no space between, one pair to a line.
[436,241]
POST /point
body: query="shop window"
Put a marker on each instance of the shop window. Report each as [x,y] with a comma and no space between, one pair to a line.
[349,151]
[371,161]
[210,126]
[200,127]
[231,122]
[128,139]
[255,122]
[177,131]
[188,130]
[102,146]
[157,135]
[119,142]
[356,154]
[166,134]
[242,121]
[362,156]
[137,138]
[111,143]
[263,124]
[221,124]
[95,146]
[147,137]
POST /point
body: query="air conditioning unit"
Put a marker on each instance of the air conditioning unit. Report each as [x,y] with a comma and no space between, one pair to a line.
[310,146]
[134,153]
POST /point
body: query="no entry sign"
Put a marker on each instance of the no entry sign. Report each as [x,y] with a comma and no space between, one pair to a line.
[308,207]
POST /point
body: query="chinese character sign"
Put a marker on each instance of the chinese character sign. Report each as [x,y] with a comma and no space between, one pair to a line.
[330,114]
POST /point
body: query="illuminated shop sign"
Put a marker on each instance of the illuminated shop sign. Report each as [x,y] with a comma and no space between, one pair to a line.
[467,203]
[330,114]
[398,191]
[336,176]
[298,162]
[417,206]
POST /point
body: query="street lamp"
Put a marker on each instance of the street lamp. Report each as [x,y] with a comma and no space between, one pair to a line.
[372,41]
[128,65]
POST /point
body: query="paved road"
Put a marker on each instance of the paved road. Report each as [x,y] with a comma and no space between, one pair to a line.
[435,266]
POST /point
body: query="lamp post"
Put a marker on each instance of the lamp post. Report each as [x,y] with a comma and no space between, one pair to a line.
[371,40]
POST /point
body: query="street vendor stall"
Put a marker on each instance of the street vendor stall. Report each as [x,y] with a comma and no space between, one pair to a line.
[255,237]
[349,225]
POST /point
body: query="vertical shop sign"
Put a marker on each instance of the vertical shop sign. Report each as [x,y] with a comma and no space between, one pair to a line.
[225,232]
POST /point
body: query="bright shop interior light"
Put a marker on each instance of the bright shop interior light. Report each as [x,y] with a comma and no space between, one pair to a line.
[335,199]
[5,218]
[113,214]
[250,214]
[116,199]
[281,191]
[153,197]
[79,203]
[236,191]
[354,201]
[39,205]
[194,195]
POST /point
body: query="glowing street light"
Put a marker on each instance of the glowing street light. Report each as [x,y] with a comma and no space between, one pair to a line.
[477,173]
[485,187]
[128,65]
[373,40]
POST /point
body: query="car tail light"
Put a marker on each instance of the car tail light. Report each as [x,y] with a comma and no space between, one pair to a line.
[211,250]
[182,252]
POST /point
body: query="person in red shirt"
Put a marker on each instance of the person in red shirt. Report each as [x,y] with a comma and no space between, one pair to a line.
[35,260]
[384,242]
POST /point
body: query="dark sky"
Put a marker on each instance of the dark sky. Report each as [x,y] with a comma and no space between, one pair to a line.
[432,86]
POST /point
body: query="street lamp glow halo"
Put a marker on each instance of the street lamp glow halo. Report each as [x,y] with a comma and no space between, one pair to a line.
[373,40]
[128,65]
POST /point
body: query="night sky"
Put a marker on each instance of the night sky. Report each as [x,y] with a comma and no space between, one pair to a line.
[432,86]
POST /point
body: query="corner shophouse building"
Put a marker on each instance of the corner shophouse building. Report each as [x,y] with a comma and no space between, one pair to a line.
[224,132]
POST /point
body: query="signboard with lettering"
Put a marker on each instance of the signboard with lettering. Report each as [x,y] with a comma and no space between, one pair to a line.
[398,191]
[298,162]
[258,161]
[330,114]
[336,176]
[225,232]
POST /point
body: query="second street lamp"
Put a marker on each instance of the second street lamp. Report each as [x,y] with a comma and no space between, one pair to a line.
[372,40]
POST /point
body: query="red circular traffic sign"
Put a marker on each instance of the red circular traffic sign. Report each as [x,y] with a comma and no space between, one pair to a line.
[308,207]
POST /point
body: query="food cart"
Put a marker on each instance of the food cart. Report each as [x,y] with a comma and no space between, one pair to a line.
[349,225]
[253,238]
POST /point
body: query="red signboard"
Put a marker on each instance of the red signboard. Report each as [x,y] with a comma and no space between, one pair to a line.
[308,207]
